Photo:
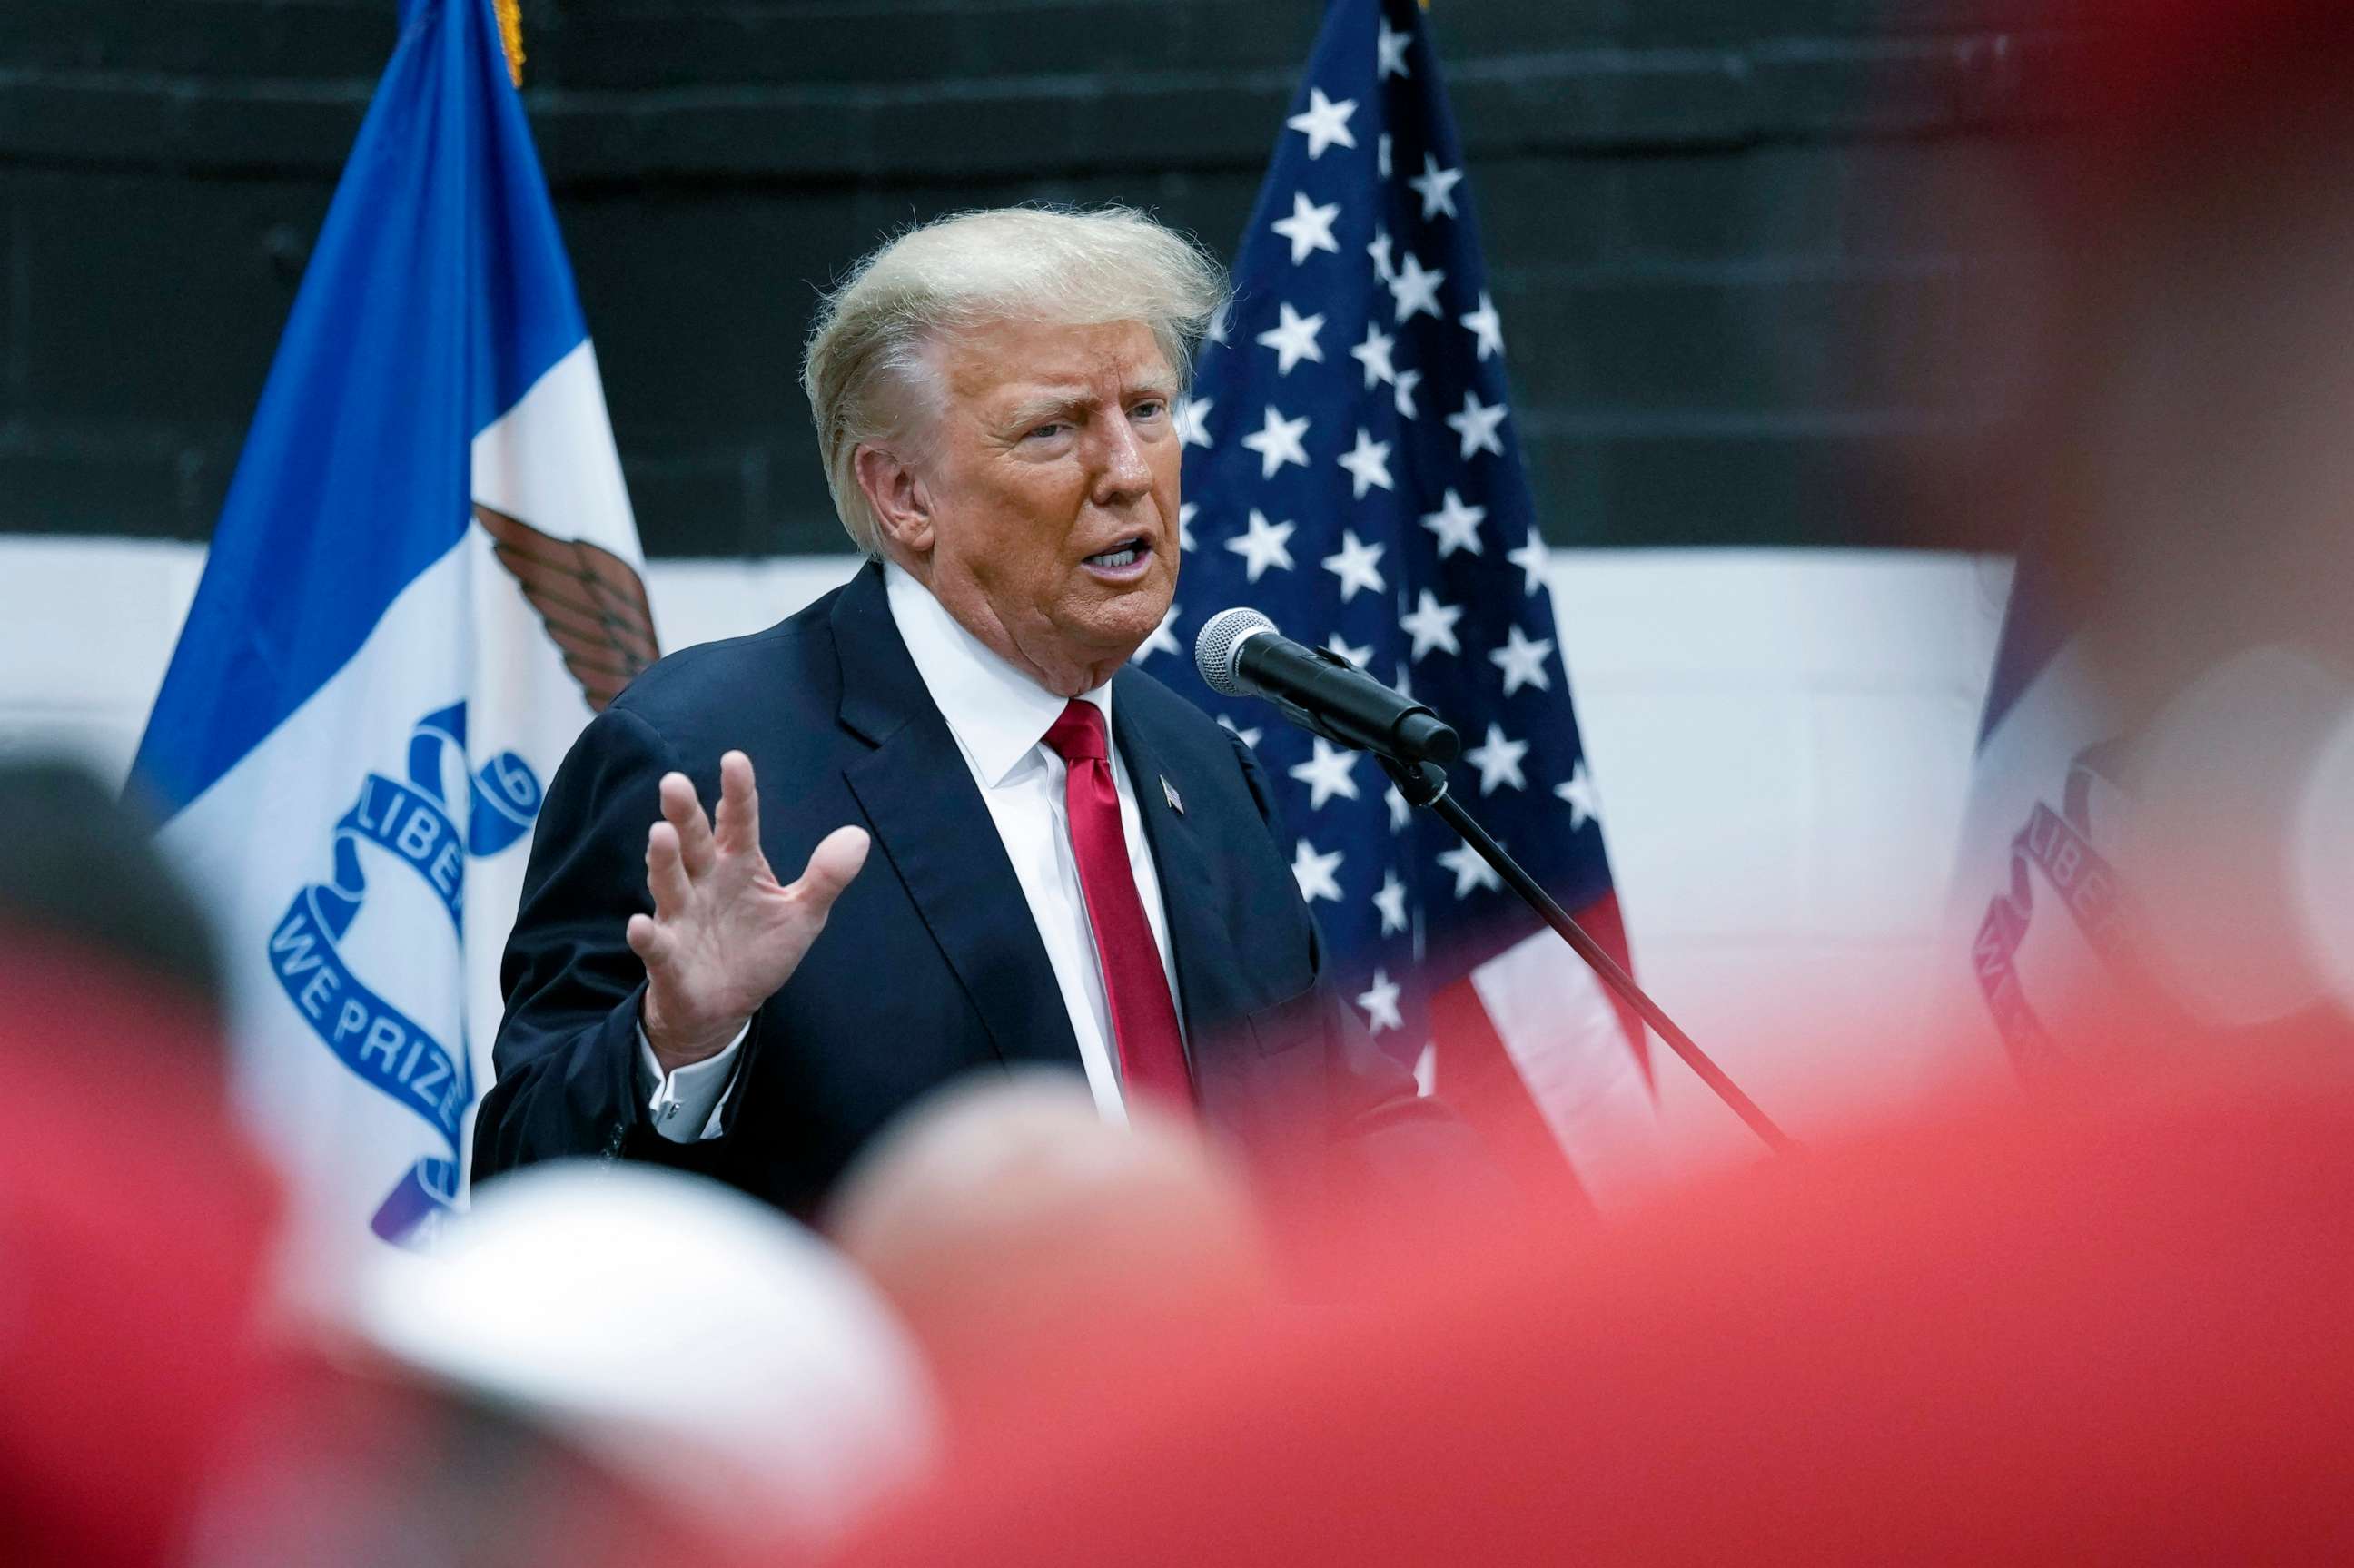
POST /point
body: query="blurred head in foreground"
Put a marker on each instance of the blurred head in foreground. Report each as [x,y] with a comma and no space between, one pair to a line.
[77,869]
[134,1216]
[596,1366]
[365,1466]
[1022,1237]
[716,1360]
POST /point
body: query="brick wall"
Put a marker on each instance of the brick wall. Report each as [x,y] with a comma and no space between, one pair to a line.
[1729,324]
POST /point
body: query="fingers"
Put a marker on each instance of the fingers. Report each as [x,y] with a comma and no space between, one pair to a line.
[666,877]
[649,941]
[837,859]
[738,831]
[683,811]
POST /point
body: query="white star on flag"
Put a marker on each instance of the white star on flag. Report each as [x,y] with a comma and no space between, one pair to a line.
[1381,1005]
[1391,899]
[1218,330]
[1313,872]
[1487,327]
[1249,737]
[1368,463]
[1406,382]
[1382,154]
[1185,510]
[1389,49]
[1499,760]
[1328,773]
[1309,227]
[1360,657]
[1584,807]
[1478,424]
[1522,661]
[1357,566]
[1162,640]
[1379,249]
[1470,870]
[1415,290]
[1431,625]
[1191,430]
[1531,558]
[1278,442]
[1400,813]
[1457,526]
[1262,544]
[1436,186]
[1374,353]
[1293,338]
[1324,122]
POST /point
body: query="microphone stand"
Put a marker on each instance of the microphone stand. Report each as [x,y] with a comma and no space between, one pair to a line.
[1425,784]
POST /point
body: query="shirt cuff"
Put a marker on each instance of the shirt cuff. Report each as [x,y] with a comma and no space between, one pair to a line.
[685,1104]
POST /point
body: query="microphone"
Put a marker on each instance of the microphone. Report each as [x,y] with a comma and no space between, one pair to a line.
[1241,654]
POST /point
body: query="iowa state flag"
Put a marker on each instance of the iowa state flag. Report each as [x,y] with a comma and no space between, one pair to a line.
[425,579]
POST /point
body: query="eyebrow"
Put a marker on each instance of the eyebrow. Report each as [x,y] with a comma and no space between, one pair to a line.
[1065,400]
[1046,404]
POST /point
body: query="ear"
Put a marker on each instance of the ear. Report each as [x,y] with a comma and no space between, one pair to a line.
[901,500]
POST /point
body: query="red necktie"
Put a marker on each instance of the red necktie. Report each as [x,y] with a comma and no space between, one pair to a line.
[1143,1018]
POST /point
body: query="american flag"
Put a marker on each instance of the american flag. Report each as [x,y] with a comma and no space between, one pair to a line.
[1354,472]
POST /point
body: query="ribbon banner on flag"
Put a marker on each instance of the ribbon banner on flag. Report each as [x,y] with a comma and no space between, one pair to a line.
[425,579]
[1354,472]
[2057,848]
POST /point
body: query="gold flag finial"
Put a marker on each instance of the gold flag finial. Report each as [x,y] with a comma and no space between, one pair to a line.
[511,35]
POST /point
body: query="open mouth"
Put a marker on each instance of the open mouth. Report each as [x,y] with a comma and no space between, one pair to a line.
[1123,559]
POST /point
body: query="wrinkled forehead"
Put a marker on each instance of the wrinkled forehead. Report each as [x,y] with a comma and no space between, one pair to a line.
[1003,363]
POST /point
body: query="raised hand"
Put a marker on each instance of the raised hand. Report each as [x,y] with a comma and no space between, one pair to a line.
[725,934]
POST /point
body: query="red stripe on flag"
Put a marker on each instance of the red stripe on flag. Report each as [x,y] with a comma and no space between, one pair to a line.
[1480,1084]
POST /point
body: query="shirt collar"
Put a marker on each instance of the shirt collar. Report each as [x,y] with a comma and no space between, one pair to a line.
[996,713]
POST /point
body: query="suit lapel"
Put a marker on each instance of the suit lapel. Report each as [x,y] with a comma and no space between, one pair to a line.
[1191,889]
[930,822]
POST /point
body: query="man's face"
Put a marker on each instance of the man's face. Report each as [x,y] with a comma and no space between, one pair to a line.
[1054,481]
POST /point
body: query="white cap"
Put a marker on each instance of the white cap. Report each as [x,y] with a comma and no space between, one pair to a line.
[675,1329]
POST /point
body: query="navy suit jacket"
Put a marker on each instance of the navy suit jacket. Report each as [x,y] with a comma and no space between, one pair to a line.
[930,966]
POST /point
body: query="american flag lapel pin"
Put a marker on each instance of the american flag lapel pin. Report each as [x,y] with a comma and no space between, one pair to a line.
[1175,803]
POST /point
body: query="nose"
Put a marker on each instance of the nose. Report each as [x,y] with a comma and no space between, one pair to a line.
[1122,472]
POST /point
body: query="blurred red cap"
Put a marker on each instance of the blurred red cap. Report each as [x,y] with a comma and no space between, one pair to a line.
[134,1225]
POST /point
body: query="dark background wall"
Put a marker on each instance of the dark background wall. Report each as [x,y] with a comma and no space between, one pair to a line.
[1732,315]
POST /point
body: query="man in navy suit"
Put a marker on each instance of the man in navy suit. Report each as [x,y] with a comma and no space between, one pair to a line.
[1017,849]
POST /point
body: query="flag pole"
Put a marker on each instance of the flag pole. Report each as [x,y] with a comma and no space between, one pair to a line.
[1426,786]
[510,15]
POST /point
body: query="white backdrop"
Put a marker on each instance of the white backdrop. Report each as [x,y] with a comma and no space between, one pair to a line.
[1781,739]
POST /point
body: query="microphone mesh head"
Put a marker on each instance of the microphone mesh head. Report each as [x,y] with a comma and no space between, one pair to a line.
[1214,649]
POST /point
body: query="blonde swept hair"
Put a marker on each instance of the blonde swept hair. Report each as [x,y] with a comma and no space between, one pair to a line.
[866,372]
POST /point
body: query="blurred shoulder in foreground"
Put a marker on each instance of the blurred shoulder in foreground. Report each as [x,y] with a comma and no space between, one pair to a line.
[134,1218]
[2106,1325]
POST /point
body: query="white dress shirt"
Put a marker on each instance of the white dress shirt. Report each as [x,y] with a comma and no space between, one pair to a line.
[999,718]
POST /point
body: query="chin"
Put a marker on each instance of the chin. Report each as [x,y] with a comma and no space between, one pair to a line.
[1144,605]
[1118,626]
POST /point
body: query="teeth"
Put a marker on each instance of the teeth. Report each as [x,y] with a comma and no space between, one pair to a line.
[1115,559]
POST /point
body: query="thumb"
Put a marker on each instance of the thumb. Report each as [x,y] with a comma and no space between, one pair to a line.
[836,860]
